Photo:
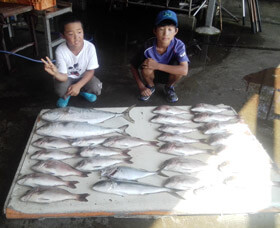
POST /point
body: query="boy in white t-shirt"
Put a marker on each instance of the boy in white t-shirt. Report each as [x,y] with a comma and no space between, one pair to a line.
[76,61]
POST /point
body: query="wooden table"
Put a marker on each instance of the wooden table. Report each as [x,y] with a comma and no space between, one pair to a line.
[10,9]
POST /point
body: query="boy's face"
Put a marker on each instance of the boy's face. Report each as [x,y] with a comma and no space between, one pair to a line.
[74,34]
[165,34]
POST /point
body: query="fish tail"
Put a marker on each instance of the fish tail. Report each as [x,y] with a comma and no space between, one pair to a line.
[276,183]
[71,184]
[127,160]
[125,153]
[212,152]
[82,197]
[84,174]
[161,174]
[154,143]
[126,114]
[175,194]
[123,128]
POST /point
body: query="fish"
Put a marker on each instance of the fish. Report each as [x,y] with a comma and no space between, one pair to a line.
[76,129]
[222,127]
[202,107]
[180,129]
[167,137]
[124,142]
[130,188]
[127,173]
[49,142]
[169,110]
[41,179]
[222,139]
[210,118]
[183,165]
[182,149]
[52,155]
[174,120]
[102,151]
[88,141]
[57,168]
[97,163]
[89,115]
[183,182]
[51,195]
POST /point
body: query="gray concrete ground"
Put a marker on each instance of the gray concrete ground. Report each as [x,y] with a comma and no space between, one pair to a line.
[215,76]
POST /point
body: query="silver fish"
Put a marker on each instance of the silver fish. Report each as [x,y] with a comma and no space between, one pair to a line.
[52,155]
[174,120]
[41,179]
[182,149]
[89,141]
[166,137]
[127,173]
[129,188]
[202,107]
[217,139]
[183,182]
[57,168]
[124,142]
[180,129]
[102,151]
[97,163]
[183,165]
[169,110]
[51,195]
[210,118]
[222,127]
[89,115]
[76,129]
[49,142]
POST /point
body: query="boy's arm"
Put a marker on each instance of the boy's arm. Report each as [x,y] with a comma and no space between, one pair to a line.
[181,69]
[74,89]
[52,70]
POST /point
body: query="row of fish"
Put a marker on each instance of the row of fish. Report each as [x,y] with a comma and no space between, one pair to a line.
[105,149]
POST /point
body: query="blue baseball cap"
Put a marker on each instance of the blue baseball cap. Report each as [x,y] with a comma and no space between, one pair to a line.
[166,15]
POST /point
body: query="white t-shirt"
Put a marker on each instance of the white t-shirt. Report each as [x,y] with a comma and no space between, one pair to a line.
[72,65]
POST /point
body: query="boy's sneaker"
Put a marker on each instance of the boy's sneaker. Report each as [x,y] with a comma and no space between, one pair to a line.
[145,98]
[61,103]
[88,96]
[170,93]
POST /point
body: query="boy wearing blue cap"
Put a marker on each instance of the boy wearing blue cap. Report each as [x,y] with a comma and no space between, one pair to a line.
[76,61]
[162,59]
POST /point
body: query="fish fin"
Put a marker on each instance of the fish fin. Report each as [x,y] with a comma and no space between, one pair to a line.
[71,184]
[203,140]
[82,197]
[126,114]
[175,194]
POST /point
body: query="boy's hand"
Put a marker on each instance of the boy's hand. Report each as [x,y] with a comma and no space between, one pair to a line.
[49,66]
[73,90]
[150,64]
[145,91]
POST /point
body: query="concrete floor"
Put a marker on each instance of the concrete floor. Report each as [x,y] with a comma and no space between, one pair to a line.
[215,76]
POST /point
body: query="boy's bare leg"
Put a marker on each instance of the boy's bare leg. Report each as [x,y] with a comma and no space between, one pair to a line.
[173,79]
[148,76]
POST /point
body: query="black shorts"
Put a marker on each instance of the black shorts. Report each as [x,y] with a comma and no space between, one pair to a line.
[163,77]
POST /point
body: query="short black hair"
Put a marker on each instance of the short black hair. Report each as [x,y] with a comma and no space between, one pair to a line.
[165,23]
[66,19]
